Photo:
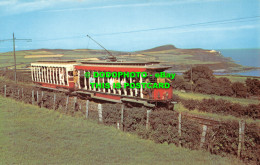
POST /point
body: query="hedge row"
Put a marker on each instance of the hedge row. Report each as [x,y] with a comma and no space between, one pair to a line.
[221,139]
[47,101]
[22,76]
[223,107]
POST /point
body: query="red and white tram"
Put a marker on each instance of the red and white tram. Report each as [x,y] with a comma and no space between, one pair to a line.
[70,75]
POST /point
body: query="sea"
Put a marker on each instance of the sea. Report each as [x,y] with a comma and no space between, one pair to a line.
[246,57]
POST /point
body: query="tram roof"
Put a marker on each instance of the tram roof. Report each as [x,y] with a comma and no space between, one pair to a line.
[56,61]
[126,64]
[119,63]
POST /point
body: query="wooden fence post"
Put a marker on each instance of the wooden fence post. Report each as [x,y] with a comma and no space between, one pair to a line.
[42,100]
[37,96]
[74,104]
[54,101]
[22,93]
[203,135]
[100,113]
[147,119]
[80,107]
[32,97]
[87,104]
[18,93]
[67,102]
[179,128]
[5,91]
[118,125]
[241,137]
[122,117]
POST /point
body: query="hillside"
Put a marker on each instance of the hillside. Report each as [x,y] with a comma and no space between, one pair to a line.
[160,48]
[179,59]
[32,135]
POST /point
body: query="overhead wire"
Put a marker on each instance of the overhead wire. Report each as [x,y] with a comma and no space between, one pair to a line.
[236,20]
[218,22]
[63,38]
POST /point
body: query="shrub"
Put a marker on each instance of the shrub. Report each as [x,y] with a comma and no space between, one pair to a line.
[190,133]
[133,118]
[251,149]
[164,126]
[190,104]
[223,138]
[253,86]
[239,89]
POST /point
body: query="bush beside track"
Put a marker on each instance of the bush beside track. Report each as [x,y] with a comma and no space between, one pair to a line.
[223,107]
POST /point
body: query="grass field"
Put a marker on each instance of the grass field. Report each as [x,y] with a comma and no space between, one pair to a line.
[237,78]
[30,135]
[199,96]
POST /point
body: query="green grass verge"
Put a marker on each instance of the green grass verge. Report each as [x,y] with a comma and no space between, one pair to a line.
[199,96]
[30,135]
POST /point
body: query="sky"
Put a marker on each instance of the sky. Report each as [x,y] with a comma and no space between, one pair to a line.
[130,25]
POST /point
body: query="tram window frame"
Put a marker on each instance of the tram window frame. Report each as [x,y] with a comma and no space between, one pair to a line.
[70,73]
[153,79]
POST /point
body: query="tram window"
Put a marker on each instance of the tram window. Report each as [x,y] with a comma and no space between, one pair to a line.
[153,79]
[70,73]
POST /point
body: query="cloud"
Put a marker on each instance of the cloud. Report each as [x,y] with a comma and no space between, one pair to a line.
[100,7]
[165,3]
[16,6]
[197,28]
[228,28]
[19,6]
[7,2]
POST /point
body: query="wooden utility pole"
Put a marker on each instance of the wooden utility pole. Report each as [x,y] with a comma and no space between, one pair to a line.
[191,78]
[28,40]
[14,59]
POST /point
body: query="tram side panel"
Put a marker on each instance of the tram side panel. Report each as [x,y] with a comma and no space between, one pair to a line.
[163,93]
[160,94]
[53,76]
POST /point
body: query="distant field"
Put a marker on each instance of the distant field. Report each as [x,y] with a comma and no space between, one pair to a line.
[30,135]
[235,78]
[179,59]
[26,57]
[43,56]
[199,96]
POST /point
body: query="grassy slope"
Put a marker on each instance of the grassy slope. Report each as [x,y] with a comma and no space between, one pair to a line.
[199,96]
[29,135]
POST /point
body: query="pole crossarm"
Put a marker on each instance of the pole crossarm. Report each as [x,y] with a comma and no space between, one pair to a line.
[6,40]
[28,40]
[15,39]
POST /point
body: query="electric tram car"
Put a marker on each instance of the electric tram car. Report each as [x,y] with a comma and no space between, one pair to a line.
[69,76]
